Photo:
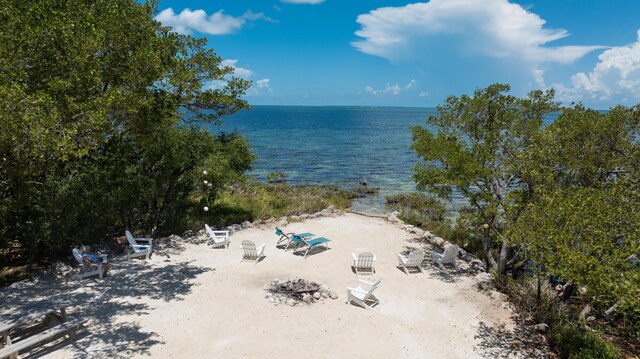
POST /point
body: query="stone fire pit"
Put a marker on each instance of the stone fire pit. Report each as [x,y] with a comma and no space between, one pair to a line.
[295,290]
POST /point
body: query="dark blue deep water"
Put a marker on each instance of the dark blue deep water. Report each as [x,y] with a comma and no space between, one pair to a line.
[334,145]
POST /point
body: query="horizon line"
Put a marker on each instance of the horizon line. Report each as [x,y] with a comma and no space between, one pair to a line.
[367,106]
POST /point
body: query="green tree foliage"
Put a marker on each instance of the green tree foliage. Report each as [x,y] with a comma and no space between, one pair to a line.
[585,148]
[98,114]
[475,145]
[584,219]
[588,235]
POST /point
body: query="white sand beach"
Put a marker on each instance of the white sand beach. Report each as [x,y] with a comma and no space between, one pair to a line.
[191,301]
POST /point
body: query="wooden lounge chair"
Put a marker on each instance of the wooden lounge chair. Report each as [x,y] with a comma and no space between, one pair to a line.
[447,257]
[363,294]
[251,252]
[364,262]
[413,260]
[218,238]
[139,250]
[311,243]
[86,269]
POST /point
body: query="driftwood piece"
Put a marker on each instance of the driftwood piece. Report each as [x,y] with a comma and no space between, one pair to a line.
[586,310]
[610,311]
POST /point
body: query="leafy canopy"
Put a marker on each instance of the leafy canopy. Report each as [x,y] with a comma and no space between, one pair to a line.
[100,122]
[474,145]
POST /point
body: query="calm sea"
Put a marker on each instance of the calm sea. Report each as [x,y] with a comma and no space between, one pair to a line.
[334,145]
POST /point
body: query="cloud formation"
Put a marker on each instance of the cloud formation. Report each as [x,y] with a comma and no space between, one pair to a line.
[493,28]
[264,83]
[616,77]
[260,88]
[303,1]
[218,23]
[238,71]
[390,90]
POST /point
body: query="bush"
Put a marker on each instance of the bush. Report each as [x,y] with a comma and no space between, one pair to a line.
[570,339]
[523,294]
[276,177]
[574,342]
[417,208]
[251,200]
[427,212]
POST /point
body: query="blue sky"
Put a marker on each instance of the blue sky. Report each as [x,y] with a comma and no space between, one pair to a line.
[399,53]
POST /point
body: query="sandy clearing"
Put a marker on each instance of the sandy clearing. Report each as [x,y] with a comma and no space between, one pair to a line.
[197,302]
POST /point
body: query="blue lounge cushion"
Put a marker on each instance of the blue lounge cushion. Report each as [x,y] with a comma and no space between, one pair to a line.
[319,240]
[305,234]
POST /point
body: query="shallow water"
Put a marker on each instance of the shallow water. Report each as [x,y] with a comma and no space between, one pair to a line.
[334,145]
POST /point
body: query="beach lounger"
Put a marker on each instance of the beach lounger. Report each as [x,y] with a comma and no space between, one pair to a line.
[138,250]
[291,238]
[363,294]
[413,260]
[87,271]
[251,252]
[284,237]
[310,243]
[218,238]
[447,257]
[364,262]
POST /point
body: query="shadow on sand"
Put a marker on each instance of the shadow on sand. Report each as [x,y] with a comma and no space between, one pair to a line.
[123,292]
[498,342]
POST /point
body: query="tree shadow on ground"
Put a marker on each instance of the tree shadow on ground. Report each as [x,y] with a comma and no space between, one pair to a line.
[451,275]
[125,291]
[499,342]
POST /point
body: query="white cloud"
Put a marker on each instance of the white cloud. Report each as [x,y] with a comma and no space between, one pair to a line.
[303,1]
[616,77]
[493,28]
[217,84]
[392,90]
[238,71]
[218,23]
[260,87]
[410,85]
[538,77]
[264,83]
[423,94]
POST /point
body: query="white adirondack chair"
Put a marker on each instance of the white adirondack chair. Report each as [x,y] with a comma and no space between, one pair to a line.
[364,262]
[95,269]
[413,260]
[448,257]
[218,238]
[362,295]
[139,250]
[251,252]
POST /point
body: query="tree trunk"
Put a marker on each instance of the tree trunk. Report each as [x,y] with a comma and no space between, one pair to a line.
[502,260]
[539,287]
[488,253]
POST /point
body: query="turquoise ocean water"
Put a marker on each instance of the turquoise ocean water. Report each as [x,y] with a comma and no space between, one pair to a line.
[334,145]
